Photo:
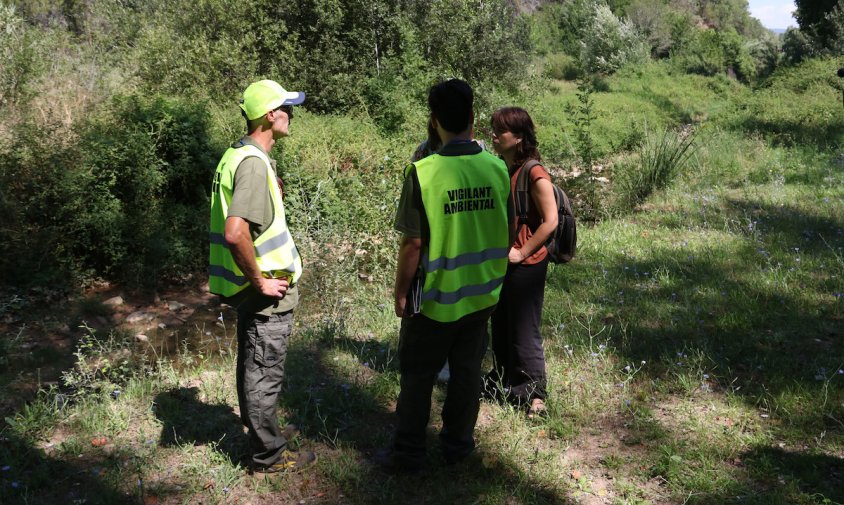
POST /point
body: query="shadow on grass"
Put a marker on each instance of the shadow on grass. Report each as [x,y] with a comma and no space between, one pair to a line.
[187,420]
[796,132]
[761,313]
[779,477]
[350,408]
[28,475]
[721,299]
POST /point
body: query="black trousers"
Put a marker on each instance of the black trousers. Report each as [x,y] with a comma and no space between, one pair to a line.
[424,347]
[519,358]
[261,352]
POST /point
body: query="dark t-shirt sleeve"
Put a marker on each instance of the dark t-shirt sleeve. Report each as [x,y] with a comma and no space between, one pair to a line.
[248,194]
[410,215]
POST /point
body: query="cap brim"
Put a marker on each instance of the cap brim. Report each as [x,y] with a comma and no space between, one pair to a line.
[293,98]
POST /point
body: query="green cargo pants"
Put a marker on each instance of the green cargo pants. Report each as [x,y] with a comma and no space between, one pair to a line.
[261,351]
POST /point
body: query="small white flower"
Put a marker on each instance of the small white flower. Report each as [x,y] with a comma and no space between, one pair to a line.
[643,362]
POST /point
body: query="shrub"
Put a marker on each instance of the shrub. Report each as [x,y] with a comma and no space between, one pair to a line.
[151,179]
[562,66]
[795,105]
[546,36]
[19,56]
[652,18]
[128,199]
[575,19]
[797,46]
[702,54]
[611,43]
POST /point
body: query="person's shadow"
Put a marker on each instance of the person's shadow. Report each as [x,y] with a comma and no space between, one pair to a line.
[187,420]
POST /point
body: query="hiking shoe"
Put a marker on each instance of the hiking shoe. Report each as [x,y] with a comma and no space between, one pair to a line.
[393,463]
[537,409]
[289,462]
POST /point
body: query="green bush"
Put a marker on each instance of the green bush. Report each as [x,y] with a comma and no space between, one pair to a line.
[703,54]
[654,20]
[797,46]
[128,199]
[611,43]
[795,105]
[562,66]
[711,52]
[574,20]
[546,35]
[152,178]
[331,49]
[343,179]
[20,61]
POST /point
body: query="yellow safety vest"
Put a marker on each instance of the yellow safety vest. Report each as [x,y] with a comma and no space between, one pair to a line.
[464,262]
[275,251]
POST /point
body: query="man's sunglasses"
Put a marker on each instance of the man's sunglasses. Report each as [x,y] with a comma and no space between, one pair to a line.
[287,109]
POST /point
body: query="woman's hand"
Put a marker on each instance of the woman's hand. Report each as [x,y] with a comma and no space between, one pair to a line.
[515,255]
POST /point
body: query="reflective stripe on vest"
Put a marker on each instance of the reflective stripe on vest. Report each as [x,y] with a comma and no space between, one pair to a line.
[465,259]
[275,252]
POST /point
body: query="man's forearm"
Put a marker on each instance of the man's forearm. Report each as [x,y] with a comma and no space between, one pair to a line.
[243,252]
[408,261]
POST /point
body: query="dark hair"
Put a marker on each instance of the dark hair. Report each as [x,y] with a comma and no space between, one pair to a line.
[451,103]
[517,121]
[434,141]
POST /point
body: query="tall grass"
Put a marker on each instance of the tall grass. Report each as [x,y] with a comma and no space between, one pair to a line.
[660,159]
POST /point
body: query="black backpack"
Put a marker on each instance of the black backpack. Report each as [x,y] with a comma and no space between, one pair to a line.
[563,241]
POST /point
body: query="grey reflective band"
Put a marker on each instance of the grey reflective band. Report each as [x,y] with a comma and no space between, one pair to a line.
[472,258]
[273,243]
[452,297]
[219,271]
[290,268]
[219,239]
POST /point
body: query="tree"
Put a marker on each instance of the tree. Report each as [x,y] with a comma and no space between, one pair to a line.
[812,16]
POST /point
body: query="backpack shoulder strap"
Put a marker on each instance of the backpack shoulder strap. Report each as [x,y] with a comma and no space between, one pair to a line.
[523,189]
[522,193]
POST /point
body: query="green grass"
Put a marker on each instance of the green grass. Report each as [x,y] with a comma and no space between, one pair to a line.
[694,346]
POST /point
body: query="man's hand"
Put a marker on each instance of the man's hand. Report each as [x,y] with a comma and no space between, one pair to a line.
[274,288]
[515,255]
[400,306]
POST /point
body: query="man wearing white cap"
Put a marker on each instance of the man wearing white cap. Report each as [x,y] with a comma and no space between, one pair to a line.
[254,266]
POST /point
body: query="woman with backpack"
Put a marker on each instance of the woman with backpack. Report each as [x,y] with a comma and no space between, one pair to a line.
[519,358]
